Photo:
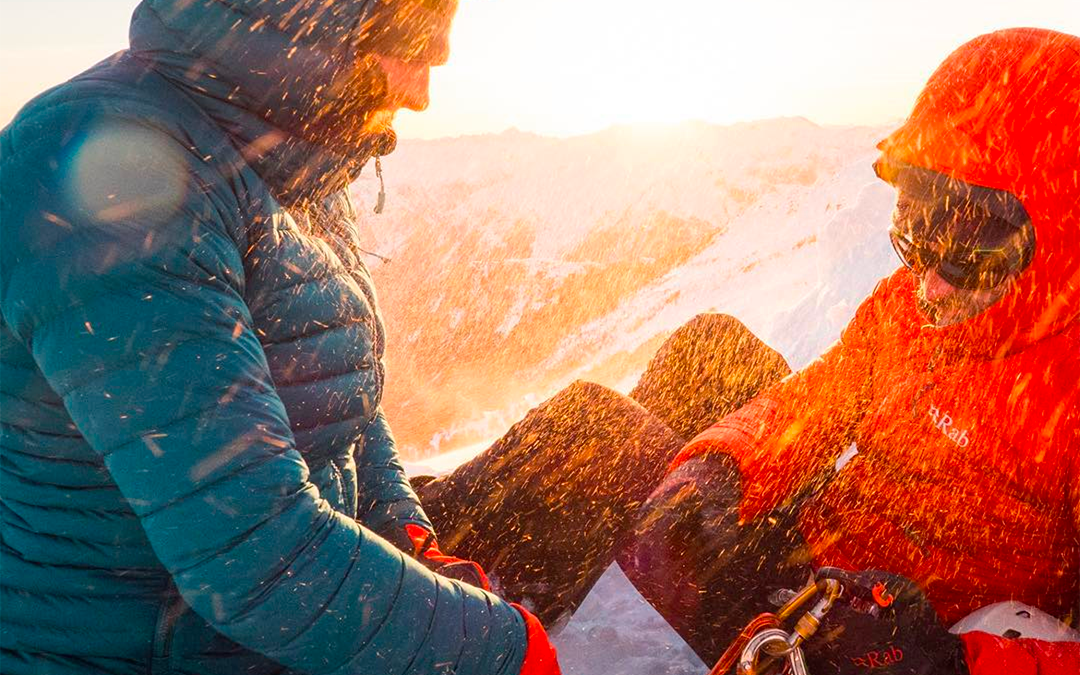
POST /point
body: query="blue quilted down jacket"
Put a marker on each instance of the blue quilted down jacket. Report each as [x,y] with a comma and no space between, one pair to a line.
[196,473]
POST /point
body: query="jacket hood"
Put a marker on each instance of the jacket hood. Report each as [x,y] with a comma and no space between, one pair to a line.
[266,70]
[1003,112]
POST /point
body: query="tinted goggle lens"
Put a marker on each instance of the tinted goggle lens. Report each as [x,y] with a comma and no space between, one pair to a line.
[970,270]
[976,270]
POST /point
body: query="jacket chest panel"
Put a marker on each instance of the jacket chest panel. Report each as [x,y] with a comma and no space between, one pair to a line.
[297,284]
[318,325]
[962,416]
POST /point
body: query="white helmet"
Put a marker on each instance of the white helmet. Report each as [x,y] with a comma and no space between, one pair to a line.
[1013,619]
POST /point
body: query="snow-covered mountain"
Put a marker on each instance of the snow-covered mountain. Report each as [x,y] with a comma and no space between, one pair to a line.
[521,262]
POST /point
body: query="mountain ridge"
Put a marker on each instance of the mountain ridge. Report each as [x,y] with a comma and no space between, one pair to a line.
[522,261]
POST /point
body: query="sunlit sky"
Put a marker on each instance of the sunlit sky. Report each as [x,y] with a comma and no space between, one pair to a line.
[564,67]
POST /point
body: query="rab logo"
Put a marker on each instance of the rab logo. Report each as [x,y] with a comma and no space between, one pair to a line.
[879,658]
[944,423]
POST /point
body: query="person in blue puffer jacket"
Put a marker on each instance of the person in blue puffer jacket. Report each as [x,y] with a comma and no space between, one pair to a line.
[197,475]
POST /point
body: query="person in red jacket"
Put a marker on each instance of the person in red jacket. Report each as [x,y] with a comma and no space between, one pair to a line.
[957,384]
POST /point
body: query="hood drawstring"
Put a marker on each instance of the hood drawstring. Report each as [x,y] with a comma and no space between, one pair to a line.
[381,201]
[373,254]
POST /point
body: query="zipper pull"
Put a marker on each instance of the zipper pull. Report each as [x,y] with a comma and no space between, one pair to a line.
[380,203]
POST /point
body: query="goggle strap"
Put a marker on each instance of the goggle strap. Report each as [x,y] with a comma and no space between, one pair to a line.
[927,185]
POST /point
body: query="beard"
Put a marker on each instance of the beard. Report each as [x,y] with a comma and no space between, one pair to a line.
[930,310]
[960,305]
[947,311]
[351,117]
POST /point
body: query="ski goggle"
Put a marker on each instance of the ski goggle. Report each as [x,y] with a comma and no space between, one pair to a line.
[973,269]
[974,237]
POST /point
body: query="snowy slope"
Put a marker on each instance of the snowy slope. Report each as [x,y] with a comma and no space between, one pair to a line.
[570,185]
[821,246]
[853,253]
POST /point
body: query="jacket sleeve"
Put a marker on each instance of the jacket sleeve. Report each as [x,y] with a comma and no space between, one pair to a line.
[387,500]
[992,655]
[790,433]
[124,279]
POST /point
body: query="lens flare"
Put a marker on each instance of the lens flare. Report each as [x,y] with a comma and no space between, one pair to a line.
[128,175]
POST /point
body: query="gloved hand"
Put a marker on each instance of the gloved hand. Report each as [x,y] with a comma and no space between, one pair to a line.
[426,550]
[687,526]
[882,624]
[540,656]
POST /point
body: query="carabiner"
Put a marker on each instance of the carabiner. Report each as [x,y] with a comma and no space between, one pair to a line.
[781,647]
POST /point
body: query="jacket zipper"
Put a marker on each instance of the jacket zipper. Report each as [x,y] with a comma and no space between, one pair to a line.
[931,365]
[172,607]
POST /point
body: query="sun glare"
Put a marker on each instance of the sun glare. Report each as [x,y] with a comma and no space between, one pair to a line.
[595,64]
[568,67]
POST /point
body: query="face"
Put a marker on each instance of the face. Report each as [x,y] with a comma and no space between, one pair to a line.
[965,244]
[935,261]
[360,103]
[382,67]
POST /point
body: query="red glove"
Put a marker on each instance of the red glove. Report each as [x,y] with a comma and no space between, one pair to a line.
[426,550]
[540,656]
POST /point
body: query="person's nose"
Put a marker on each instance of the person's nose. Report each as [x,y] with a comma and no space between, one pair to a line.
[934,287]
[407,82]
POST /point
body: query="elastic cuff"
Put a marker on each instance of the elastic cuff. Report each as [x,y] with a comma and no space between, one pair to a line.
[540,655]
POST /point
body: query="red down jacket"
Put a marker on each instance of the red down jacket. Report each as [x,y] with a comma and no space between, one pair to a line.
[967,477]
